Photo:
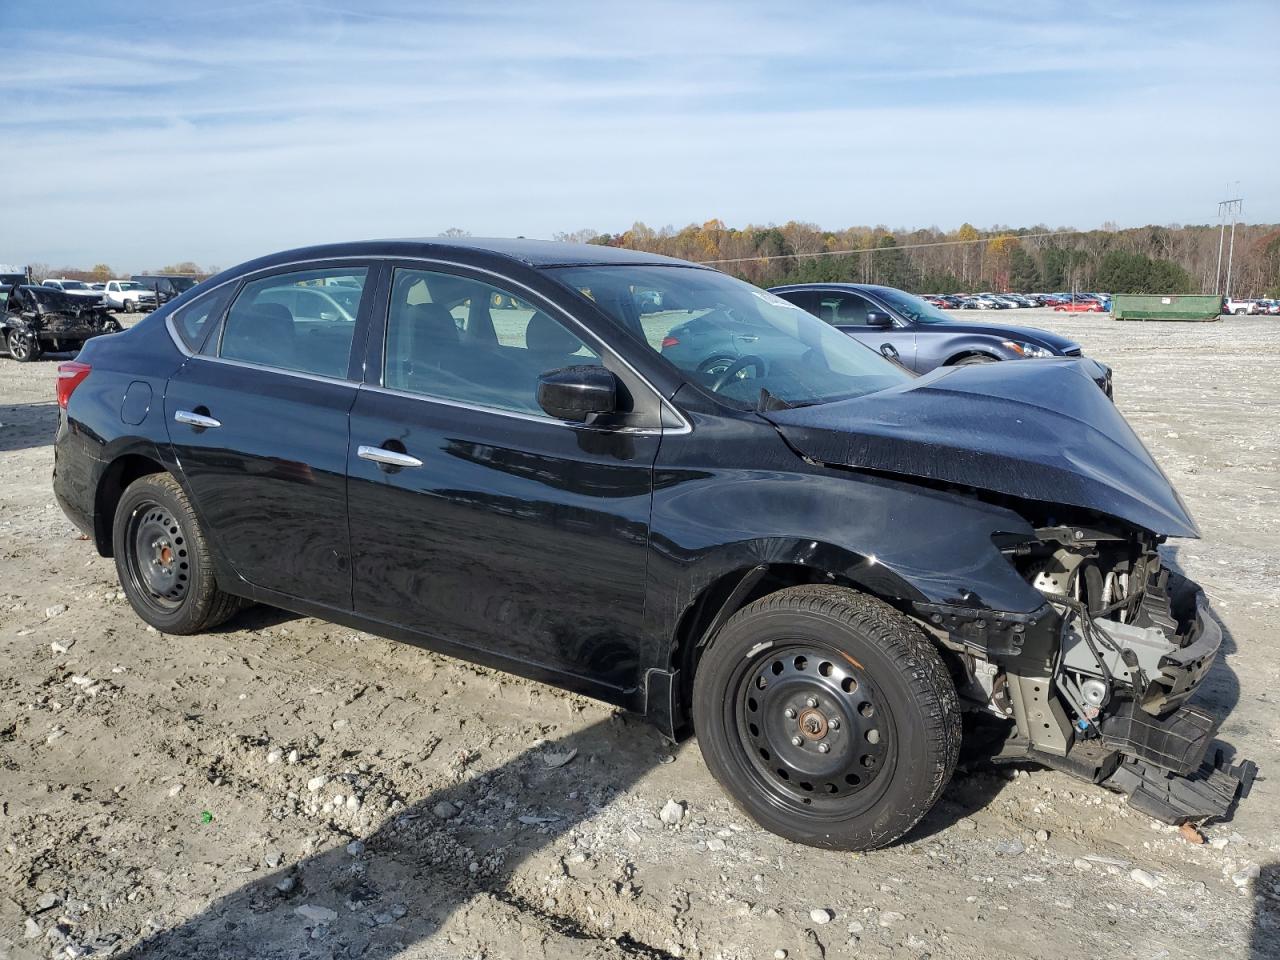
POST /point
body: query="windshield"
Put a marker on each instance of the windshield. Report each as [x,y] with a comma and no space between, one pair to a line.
[912,307]
[74,285]
[131,285]
[734,339]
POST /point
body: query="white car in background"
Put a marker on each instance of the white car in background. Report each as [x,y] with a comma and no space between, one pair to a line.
[76,288]
[129,296]
[1238,308]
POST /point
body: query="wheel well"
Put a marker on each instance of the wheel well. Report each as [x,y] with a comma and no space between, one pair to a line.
[702,614]
[969,353]
[122,472]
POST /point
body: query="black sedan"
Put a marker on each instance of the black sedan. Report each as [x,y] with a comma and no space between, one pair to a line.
[811,557]
[917,333]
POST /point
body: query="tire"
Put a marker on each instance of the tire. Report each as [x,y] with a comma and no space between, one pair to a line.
[1239,311]
[838,668]
[163,559]
[975,358]
[24,346]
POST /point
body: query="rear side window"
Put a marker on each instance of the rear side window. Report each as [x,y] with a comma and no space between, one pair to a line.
[302,321]
[194,321]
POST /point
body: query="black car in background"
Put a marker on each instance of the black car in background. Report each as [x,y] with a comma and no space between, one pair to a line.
[35,319]
[812,558]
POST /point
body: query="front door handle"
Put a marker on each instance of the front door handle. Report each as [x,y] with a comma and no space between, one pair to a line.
[196,420]
[389,458]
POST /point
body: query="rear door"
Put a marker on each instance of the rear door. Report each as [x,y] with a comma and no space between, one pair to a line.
[258,420]
[476,519]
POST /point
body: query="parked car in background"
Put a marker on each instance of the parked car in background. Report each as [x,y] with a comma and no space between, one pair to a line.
[74,288]
[166,286]
[1270,307]
[815,562]
[1079,306]
[983,301]
[129,296]
[1238,308]
[35,319]
[921,337]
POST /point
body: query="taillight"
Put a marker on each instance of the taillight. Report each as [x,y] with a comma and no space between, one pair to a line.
[70,375]
[670,342]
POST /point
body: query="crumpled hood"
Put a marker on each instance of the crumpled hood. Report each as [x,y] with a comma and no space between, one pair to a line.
[1040,430]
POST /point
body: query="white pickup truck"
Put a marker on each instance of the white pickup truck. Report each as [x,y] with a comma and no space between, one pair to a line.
[1238,308]
[129,296]
[76,288]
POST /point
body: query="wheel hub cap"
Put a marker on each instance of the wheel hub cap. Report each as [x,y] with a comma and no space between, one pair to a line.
[811,723]
[160,558]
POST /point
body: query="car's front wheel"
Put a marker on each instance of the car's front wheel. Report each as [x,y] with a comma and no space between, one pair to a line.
[163,560]
[828,716]
[24,346]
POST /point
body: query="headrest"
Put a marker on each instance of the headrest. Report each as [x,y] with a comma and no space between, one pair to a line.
[544,335]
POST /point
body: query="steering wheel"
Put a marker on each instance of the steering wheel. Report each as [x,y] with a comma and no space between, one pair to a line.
[735,368]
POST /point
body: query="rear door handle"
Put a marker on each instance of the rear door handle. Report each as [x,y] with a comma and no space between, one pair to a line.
[196,420]
[390,458]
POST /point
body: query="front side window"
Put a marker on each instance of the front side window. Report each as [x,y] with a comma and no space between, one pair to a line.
[731,338]
[290,321]
[471,342]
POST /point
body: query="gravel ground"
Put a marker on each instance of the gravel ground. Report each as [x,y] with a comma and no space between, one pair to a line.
[286,788]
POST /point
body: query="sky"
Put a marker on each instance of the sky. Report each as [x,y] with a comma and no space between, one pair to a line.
[143,134]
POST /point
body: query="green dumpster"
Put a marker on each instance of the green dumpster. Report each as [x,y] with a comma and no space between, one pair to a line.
[1174,306]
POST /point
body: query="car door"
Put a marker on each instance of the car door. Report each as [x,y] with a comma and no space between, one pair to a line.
[849,312]
[479,522]
[258,423]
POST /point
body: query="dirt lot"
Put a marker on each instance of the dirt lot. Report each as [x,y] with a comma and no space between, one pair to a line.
[286,788]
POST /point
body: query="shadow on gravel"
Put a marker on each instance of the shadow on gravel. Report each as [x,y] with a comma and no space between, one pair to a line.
[1265,943]
[27,425]
[418,865]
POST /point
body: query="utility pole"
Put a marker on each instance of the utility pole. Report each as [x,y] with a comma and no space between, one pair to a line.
[1236,209]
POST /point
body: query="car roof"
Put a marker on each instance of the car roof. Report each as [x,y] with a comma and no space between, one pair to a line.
[863,287]
[533,253]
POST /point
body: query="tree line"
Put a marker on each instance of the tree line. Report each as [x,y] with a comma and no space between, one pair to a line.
[1151,259]
[101,272]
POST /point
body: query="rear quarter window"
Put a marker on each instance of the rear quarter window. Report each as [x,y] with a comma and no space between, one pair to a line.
[194,321]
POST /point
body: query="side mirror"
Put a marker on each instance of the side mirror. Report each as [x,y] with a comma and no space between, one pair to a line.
[578,393]
[877,319]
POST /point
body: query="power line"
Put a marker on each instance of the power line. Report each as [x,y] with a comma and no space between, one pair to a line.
[898,246]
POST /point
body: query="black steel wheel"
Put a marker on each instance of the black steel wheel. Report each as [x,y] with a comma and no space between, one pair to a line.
[24,346]
[163,559]
[828,716]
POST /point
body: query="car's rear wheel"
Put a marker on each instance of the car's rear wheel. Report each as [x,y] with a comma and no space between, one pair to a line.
[163,560]
[828,716]
[24,346]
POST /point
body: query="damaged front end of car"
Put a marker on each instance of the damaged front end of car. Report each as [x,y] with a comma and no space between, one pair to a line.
[1095,669]
[1098,681]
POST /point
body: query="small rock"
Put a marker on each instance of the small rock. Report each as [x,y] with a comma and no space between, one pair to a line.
[320,931]
[672,813]
[1010,848]
[286,884]
[890,917]
[398,910]
[445,810]
[558,758]
[31,929]
[855,927]
[715,844]
[779,954]
[274,756]
[1249,872]
[1081,864]
[56,610]
[353,803]
[175,790]
[1143,878]
[47,901]
[576,857]
[315,784]
[62,646]
[273,859]
[966,823]
[382,919]
[355,848]
[1042,836]
[821,915]
[293,756]
[1219,843]
[316,913]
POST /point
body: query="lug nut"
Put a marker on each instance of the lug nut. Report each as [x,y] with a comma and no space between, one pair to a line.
[796,741]
[824,748]
[789,713]
[811,702]
[833,724]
